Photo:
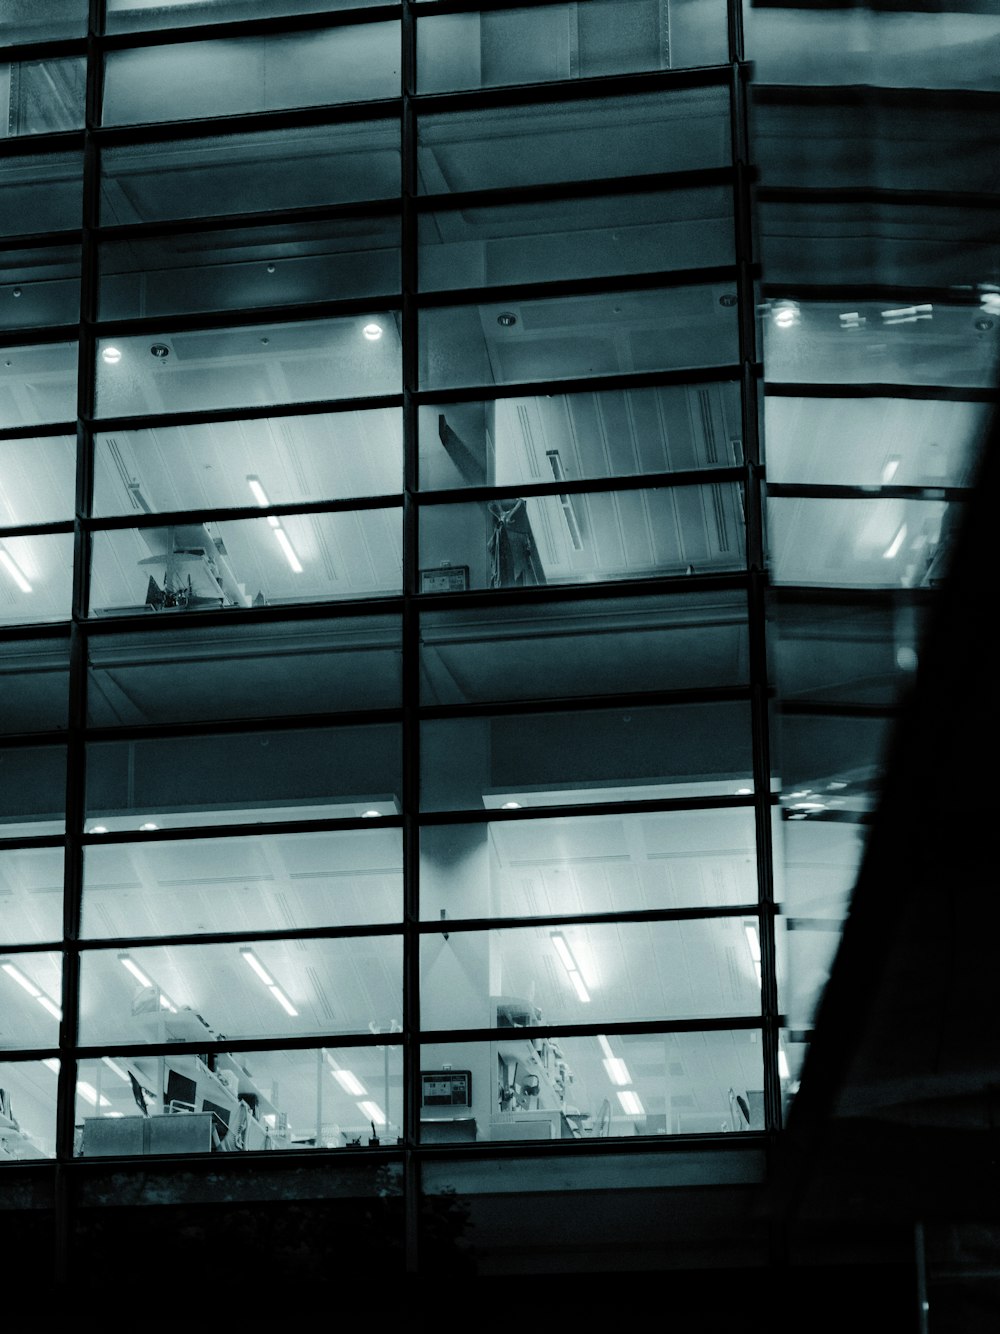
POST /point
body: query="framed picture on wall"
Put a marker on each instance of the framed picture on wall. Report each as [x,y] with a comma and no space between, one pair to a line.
[445,579]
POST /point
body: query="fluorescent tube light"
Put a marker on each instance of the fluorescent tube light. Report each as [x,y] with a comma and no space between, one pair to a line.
[127,962]
[605,1046]
[283,1000]
[893,547]
[257,966]
[579,987]
[14,570]
[288,549]
[890,468]
[22,981]
[259,494]
[350,1083]
[51,1063]
[373,1112]
[617,1070]
[753,941]
[89,1094]
[116,1068]
[631,1103]
[50,1006]
[111,356]
[564,952]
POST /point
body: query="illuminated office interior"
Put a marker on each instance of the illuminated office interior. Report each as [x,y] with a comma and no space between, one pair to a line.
[471,487]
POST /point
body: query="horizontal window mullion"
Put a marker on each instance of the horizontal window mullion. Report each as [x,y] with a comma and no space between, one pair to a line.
[37,947]
[185,938]
[585,486]
[250,122]
[560,1030]
[860,292]
[820,491]
[806,594]
[572,90]
[655,183]
[55,48]
[233,29]
[245,318]
[820,708]
[209,416]
[301,611]
[242,726]
[863,194]
[596,808]
[637,699]
[36,529]
[168,228]
[234,514]
[872,98]
[28,145]
[50,333]
[879,389]
[580,384]
[617,588]
[41,240]
[31,432]
[446,926]
[298,1042]
[568,287]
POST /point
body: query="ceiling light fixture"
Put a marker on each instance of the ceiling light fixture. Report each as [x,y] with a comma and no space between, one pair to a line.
[261,497]
[786,314]
[570,964]
[111,356]
[98,829]
[14,570]
[371,815]
[605,1046]
[617,1070]
[631,1102]
[511,806]
[130,965]
[373,1112]
[783,1071]
[373,332]
[89,1094]
[288,549]
[34,991]
[268,981]
[145,828]
[349,1082]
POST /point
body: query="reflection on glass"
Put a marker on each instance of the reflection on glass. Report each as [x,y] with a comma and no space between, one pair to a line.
[30,999]
[31,884]
[868,543]
[39,480]
[831,767]
[867,342]
[584,538]
[575,756]
[342,878]
[36,578]
[241,270]
[558,42]
[32,791]
[588,974]
[38,384]
[562,337]
[326,1098]
[40,193]
[186,673]
[879,441]
[205,993]
[574,141]
[28,1107]
[42,20]
[316,773]
[41,97]
[591,864]
[555,1087]
[254,562]
[140,15]
[39,287]
[250,173]
[34,684]
[686,640]
[279,461]
[236,76]
[603,433]
[263,364]
[590,238]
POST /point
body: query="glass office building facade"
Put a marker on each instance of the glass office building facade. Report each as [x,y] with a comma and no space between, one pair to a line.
[431,756]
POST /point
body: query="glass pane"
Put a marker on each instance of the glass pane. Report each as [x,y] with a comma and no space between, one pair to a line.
[31,999]
[545,759]
[39,287]
[557,42]
[343,878]
[878,244]
[240,270]
[32,791]
[42,20]
[256,366]
[250,173]
[232,77]
[590,238]
[603,433]
[202,567]
[845,652]
[34,684]
[38,384]
[39,480]
[247,1101]
[36,578]
[589,864]
[876,543]
[40,194]
[42,96]
[831,767]
[31,885]
[140,15]
[186,673]
[557,1087]
[879,441]
[582,538]
[318,773]
[204,993]
[328,456]
[886,49]
[574,141]
[28,1116]
[587,974]
[877,342]
[679,642]
[559,338]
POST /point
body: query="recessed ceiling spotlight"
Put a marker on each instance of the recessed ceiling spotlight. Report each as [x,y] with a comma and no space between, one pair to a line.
[507,319]
[511,806]
[16,291]
[984,326]
[98,829]
[370,815]
[270,268]
[785,314]
[728,299]
[144,827]
[373,332]
[159,350]
[111,356]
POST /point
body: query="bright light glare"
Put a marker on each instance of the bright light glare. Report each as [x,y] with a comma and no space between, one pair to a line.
[617,1070]
[890,469]
[578,987]
[288,549]
[349,1082]
[135,970]
[753,942]
[373,1112]
[111,356]
[631,1103]
[257,966]
[259,494]
[50,1006]
[373,332]
[605,1046]
[563,950]
[89,1094]
[893,548]
[14,570]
